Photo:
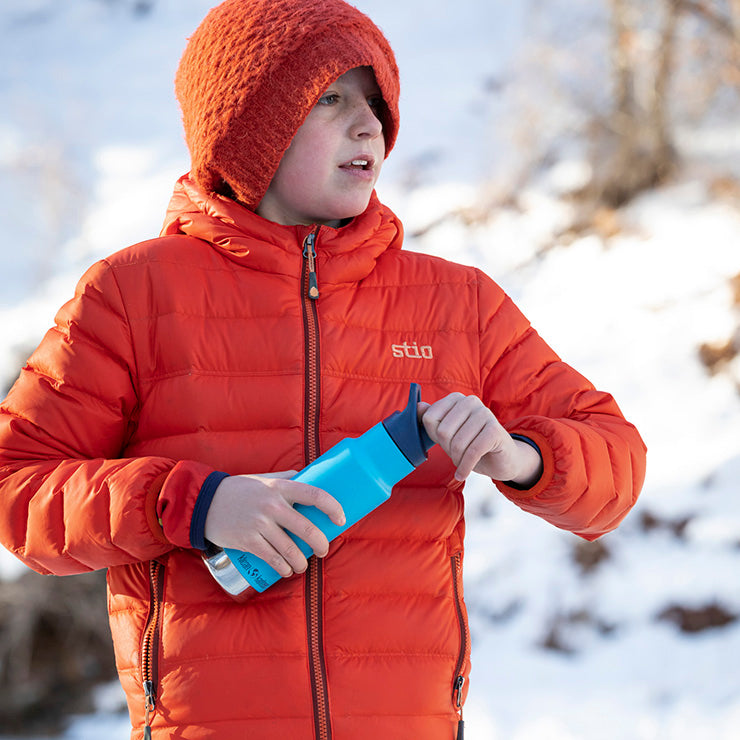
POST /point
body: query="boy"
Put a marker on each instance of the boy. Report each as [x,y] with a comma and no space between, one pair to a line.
[192,374]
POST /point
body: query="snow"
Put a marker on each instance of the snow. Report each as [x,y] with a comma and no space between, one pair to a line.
[90,146]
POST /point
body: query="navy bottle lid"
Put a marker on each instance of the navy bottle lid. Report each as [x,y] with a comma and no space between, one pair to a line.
[407,432]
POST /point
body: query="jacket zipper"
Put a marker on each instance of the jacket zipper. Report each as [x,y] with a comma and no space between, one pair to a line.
[150,644]
[311,450]
[458,677]
[312,375]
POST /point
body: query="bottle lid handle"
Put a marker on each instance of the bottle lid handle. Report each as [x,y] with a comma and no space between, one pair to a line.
[407,432]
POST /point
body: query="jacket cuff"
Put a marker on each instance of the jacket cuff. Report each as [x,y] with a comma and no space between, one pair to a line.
[518,494]
[177,498]
[200,510]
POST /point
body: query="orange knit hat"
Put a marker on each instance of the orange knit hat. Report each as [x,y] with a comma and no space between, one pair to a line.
[254,69]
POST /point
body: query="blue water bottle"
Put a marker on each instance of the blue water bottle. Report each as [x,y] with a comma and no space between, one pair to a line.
[359,472]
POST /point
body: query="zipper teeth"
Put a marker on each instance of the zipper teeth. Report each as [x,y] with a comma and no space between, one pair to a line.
[312,378]
[314,576]
[312,396]
[457,686]
[152,623]
[318,666]
[149,640]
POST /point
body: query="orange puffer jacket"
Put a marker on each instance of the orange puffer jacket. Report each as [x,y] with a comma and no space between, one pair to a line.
[199,351]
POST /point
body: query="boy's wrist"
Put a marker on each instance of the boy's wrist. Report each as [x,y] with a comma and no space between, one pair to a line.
[531,465]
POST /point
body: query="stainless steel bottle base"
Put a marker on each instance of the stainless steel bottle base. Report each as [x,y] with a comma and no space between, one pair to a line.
[226,574]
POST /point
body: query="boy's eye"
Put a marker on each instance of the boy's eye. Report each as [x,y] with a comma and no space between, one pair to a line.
[328,99]
[376,103]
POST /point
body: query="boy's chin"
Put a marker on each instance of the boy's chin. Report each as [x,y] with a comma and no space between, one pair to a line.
[341,217]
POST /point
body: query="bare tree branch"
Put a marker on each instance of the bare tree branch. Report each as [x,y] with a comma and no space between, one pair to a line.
[702,9]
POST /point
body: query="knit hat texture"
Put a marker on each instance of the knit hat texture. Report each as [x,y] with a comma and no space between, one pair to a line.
[252,72]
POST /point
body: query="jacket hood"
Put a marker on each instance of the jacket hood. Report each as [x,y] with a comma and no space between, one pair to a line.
[344,255]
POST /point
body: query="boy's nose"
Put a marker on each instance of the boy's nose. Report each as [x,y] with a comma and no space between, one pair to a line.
[366,123]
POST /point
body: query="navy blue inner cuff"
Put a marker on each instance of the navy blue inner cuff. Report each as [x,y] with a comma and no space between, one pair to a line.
[200,510]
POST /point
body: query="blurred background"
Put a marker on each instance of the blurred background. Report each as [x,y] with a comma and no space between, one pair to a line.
[584,153]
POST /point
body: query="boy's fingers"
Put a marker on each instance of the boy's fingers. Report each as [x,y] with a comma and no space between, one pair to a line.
[435,413]
[462,428]
[304,528]
[478,447]
[288,551]
[471,440]
[280,474]
[303,493]
[263,548]
[439,409]
[421,408]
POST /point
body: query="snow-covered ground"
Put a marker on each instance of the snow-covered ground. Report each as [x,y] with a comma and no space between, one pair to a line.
[90,146]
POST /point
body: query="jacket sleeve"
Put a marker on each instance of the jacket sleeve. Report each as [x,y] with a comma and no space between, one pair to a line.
[69,501]
[593,459]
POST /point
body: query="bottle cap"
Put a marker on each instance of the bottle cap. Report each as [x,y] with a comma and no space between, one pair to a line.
[407,432]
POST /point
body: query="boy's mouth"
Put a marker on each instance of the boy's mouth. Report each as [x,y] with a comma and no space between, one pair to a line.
[359,163]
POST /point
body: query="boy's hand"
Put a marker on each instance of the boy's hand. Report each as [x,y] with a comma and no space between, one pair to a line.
[472,436]
[252,512]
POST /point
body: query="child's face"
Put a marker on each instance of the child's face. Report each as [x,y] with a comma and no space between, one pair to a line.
[317,181]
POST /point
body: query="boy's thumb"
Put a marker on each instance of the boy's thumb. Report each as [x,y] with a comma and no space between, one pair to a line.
[421,408]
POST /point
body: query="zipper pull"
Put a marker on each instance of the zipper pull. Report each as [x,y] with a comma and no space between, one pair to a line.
[459,683]
[149,704]
[309,252]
